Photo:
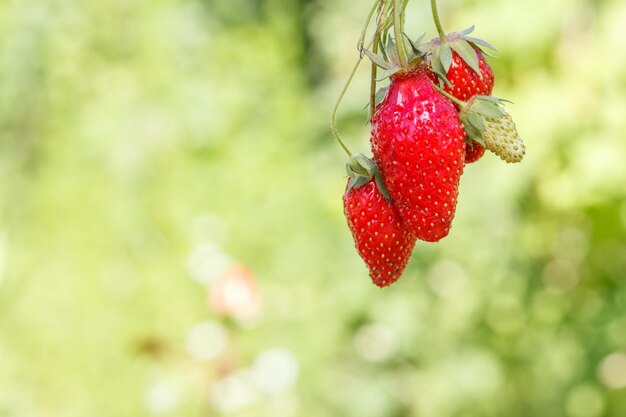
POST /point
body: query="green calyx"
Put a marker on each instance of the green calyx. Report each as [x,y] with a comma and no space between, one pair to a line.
[389,58]
[465,46]
[487,123]
[361,170]
[474,113]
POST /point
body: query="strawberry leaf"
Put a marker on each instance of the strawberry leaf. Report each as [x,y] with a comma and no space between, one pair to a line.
[378,60]
[467,31]
[480,42]
[361,170]
[484,51]
[388,73]
[472,132]
[487,109]
[381,186]
[415,45]
[467,54]
[476,121]
[383,50]
[392,51]
[445,56]
[380,94]
[437,68]
[439,73]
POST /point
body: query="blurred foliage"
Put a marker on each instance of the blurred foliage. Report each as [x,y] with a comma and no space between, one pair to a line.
[146,143]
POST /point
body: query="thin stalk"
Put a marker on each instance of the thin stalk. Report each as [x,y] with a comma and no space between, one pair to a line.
[373,77]
[333,116]
[367,23]
[442,34]
[397,28]
[460,103]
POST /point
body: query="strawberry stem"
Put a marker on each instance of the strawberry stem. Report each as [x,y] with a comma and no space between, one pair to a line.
[460,103]
[442,34]
[373,76]
[367,23]
[333,116]
[397,29]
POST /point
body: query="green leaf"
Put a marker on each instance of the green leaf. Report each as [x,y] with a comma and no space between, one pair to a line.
[366,163]
[472,132]
[445,56]
[388,73]
[392,51]
[351,183]
[467,54]
[378,60]
[438,71]
[380,94]
[493,99]
[467,31]
[437,68]
[361,181]
[487,109]
[476,121]
[488,98]
[355,170]
[381,186]
[477,139]
[419,40]
[383,51]
[415,46]
[484,51]
[480,42]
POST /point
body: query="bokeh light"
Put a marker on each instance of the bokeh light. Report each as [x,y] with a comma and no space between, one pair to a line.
[172,240]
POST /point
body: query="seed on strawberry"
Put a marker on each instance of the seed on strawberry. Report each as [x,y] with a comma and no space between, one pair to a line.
[489,125]
[458,61]
[418,144]
[463,83]
[501,137]
[463,80]
[380,237]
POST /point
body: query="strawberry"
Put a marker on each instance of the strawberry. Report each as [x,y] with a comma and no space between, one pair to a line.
[473,152]
[458,61]
[488,124]
[380,237]
[463,80]
[418,144]
[501,138]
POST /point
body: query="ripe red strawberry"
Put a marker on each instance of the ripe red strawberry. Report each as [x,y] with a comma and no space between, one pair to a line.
[380,237]
[473,152]
[457,60]
[465,83]
[418,142]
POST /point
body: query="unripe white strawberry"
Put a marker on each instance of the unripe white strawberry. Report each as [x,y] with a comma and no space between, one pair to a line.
[501,138]
[487,123]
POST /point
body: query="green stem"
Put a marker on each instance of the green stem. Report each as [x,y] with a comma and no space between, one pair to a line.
[461,104]
[397,28]
[333,116]
[367,23]
[373,77]
[442,34]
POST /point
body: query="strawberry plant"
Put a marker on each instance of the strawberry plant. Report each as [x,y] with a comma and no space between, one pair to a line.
[435,116]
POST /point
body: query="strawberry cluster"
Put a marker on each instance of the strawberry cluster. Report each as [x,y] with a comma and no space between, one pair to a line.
[436,116]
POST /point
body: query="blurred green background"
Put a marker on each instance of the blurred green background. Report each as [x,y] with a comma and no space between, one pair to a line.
[172,239]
